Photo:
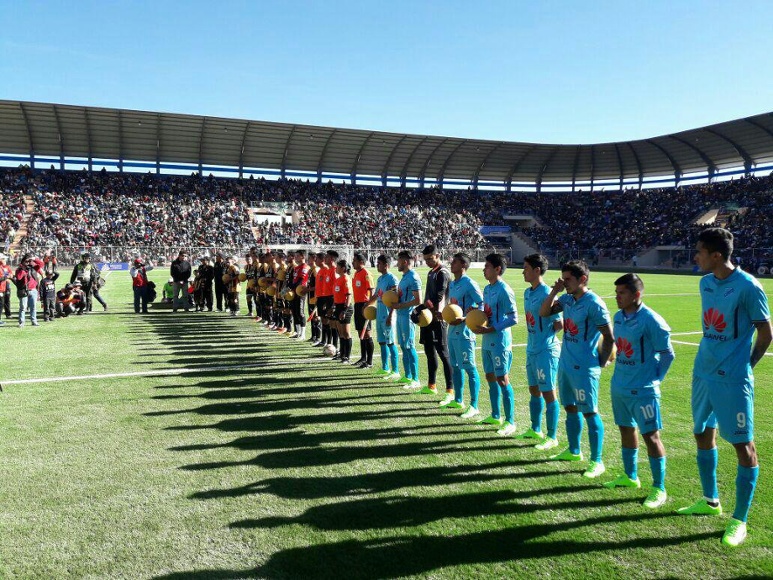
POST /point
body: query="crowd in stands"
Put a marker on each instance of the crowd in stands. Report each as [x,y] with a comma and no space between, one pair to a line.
[144,210]
[11,208]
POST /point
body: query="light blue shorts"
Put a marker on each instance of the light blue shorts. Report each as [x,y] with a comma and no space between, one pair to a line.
[542,370]
[385,333]
[462,352]
[406,332]
[580,389]
[497,361]
[729,406]
[641,410]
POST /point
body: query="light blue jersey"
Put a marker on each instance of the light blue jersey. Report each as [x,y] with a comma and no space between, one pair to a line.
[641,339]
[730,309]
[465,293]
[582,320]
[384,283]
[540,333]
[409,283]
[499,305]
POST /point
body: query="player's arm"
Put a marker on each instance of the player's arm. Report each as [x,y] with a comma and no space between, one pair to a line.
[415,302]
[660,335]
[607,342]
[550,305]
[762,342]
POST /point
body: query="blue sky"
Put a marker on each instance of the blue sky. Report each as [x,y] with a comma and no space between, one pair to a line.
[542,71]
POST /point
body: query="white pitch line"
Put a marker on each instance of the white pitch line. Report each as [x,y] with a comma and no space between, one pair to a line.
[156,373]
[696,344]
[646,294]
[686,333]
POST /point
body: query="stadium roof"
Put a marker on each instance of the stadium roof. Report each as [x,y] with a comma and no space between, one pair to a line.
[47,130]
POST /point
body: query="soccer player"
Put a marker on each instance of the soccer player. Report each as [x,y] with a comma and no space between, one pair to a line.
[342,298]
[586,318]
[363,290]
[542,352]
[409,292]
[301,273]
[385,320]
[644,355]
[434,337]
[326,309]
[316,324]
[279,303]
[499,306]
[734,305]
[464,292]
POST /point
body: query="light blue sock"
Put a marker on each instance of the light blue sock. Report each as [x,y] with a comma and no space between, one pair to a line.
[493,393]
[384,357]
[745,482]
[508,398]
[658,467]
[595,436]
[630,458]
[573,431]
[472,374]
[536,405]
[393,356]
[458,385]
[552,412]
[415,361]
[407,363]
[707,469]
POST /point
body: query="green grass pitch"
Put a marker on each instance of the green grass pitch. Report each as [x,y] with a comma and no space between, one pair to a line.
[302,468]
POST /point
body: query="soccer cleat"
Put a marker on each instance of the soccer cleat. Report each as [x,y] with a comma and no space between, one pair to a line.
[412,386]
[595,469]
[292,335]
[566,455]
[531,434]
[735,533]
[655,499]
[382,373]
[701,508]
[507,430]
[446,400]
[358,362]
[453,405]
[405,380]
[470,413]
[366,365]
[428,391]
[623,481]
[491,421]
[548,443]
[395,377]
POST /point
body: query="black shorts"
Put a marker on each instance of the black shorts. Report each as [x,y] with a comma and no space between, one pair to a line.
[435,333]
[347,312]
[359,319]
[325,306]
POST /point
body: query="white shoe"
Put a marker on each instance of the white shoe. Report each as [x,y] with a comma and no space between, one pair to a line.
[507,430]
[470,413]
[412,386]
[446,400]
[549,443]
[392,377]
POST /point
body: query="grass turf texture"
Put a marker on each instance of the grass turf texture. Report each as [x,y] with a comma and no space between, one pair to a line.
[308,468]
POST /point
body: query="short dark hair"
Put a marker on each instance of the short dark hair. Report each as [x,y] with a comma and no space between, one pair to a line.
[576,268]
[429,250]
[320,254]
[300,253]
[498,261]
[631,281]
[332,253]
[717,240]
[345,265]
[537,261]
[405,255]
[463,258]
[359,256]
[385,259]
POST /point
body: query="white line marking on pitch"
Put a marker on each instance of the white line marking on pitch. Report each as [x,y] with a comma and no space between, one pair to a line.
[696,344]
[156,373]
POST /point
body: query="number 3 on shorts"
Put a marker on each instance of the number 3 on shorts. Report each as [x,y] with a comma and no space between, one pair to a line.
[497,361]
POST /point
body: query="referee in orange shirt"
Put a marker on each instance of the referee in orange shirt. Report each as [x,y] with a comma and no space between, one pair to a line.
[363,290]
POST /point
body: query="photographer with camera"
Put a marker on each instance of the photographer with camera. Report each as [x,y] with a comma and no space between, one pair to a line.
[27,280]
[84,272]
[139,274]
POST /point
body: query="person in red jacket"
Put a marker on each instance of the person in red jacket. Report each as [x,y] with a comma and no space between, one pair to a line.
[139,274]
[27,278]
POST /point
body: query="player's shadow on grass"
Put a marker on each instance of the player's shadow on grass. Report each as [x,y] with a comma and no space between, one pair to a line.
[399,556]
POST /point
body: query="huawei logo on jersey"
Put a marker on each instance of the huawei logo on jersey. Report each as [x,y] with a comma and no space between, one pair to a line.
[487,310]
[530,319]
[623,346]
[380,293]
[713,317]
[571,327]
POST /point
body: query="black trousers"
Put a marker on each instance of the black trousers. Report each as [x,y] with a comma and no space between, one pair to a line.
[220,293]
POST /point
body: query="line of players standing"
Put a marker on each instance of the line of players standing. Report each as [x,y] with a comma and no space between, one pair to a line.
[449,315]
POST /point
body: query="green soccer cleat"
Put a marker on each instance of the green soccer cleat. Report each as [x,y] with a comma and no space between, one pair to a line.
[566,455]
[735,533]
[405,381]
[595,469]
[452,405]
[622,481]
[531,434]
[382,373]
[655,499]
[394,377]
[700,508]
[447,399]
[428,391]
[470,413]
[548,443]
[491,421]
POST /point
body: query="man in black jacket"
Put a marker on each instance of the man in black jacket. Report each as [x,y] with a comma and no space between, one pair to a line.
[181,273]
[220,289]
[205,274]
[84,272]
